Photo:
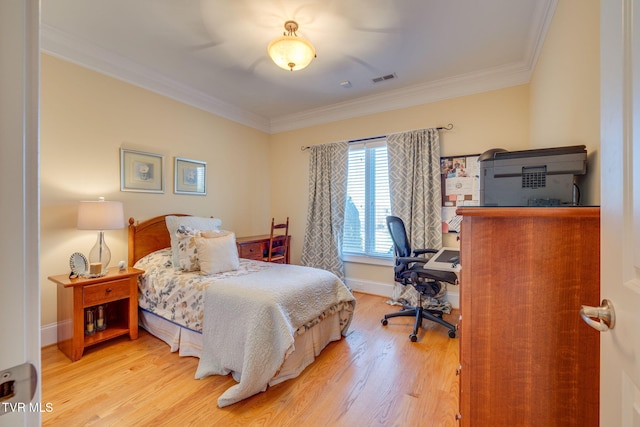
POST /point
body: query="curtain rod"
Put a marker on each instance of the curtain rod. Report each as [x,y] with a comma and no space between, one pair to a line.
[447,127]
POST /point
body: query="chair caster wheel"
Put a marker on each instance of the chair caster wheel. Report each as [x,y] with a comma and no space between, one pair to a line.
[452,334]
[413,337]
[384,322]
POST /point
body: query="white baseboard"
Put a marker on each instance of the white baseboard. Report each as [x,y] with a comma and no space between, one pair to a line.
[453,295]
[48,334]
[386,290]
[373,288]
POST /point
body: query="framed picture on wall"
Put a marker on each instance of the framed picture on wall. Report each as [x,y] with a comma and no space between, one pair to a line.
[141,171]
[190,177]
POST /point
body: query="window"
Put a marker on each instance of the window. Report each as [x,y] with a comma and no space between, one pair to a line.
[368,203]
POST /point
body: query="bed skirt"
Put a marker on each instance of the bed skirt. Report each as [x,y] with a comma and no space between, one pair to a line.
[307,346]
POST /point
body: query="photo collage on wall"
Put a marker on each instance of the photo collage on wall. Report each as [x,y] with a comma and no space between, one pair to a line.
[460,187]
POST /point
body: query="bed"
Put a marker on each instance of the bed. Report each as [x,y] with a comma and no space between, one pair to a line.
[261,322]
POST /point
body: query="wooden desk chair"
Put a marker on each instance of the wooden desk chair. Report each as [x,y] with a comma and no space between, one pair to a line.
[278,243]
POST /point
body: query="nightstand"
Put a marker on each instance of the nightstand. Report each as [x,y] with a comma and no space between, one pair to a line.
[117,292]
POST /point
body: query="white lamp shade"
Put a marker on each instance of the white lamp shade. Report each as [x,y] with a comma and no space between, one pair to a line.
[291,52]
[100,215]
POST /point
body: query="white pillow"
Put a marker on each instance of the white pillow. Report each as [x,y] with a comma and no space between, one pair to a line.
[198,223]
[217,254]
[187,249]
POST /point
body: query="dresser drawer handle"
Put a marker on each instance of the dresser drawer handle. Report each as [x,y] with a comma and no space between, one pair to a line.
[108,290]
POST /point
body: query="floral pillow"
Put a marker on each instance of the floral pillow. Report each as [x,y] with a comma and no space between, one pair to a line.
[187,251]
[191,222]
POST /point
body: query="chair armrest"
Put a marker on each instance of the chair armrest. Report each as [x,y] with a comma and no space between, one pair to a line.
[403,263]
[410,259]
[425,251]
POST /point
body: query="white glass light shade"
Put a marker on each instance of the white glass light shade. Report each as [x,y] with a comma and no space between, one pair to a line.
[291,52]
[100,215]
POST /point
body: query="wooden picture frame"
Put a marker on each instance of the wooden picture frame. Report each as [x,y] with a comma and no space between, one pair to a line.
[190,177]
[141,171]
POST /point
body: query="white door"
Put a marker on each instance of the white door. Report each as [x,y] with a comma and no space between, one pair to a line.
[19,212]
[620,210]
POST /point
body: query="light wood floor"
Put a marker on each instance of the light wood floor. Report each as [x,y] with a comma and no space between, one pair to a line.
[373,377]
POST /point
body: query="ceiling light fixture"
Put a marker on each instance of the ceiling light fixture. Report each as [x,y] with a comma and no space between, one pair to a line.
[291,52]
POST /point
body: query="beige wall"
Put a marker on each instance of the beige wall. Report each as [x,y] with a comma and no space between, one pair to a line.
[86,117]
[487,120]
[559,107]
[565,87]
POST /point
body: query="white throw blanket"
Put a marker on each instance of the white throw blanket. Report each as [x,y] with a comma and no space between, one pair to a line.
[250,322]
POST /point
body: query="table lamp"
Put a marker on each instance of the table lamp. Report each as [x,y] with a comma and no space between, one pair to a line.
[100,215]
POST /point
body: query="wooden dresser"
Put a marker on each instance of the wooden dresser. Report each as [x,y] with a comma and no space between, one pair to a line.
[527,358]
[253,247]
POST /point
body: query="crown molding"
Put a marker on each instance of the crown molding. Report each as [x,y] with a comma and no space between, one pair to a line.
[542,16]
[453,87]
[63,45]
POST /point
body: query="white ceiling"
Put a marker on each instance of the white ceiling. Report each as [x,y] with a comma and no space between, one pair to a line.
[212,53]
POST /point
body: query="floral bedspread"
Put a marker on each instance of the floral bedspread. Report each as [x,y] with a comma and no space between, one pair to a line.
[178,296]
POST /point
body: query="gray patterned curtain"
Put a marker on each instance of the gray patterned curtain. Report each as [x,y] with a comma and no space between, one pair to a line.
[322,246]
[414,184]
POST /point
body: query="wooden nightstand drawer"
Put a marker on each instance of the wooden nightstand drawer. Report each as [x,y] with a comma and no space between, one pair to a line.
[105,292]
[250,250]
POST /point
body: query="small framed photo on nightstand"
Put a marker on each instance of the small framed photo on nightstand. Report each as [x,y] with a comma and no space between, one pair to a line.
[190,177]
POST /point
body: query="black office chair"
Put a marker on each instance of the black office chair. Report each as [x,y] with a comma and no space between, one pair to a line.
[409,270]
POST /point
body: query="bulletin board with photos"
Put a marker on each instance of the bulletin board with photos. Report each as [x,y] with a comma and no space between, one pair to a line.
[460,187]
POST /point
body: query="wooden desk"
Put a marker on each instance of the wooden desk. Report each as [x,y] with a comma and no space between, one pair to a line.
[253,247]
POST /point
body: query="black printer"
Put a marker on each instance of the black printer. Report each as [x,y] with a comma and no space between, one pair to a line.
[542,177]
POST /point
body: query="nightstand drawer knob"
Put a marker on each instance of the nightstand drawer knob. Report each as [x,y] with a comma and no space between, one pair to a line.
[108,290]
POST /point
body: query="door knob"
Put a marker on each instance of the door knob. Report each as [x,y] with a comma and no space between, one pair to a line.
[605,314]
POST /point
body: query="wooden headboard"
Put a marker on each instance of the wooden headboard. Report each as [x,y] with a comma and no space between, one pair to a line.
[148,236]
